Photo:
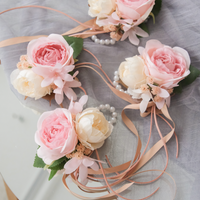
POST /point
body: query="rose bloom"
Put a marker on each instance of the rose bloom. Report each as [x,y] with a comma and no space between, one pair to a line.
[101,8]
[137,10]
[166,65]
[47,51]
[55,135]
[92,128]
[27,83]
[131,72]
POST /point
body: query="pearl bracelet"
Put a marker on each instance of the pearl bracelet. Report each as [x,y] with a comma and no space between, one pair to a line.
[103,42]
[115,83]
[111,109]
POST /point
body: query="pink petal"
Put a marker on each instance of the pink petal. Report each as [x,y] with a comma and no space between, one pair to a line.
[69,68]
[95,166]
[125,35]
[155,44]
[43,71]
[145,9]
[88,161]
[83,172]
[83,100]
[59,98]
[163,93]
[58,82]
[185,54]
[128,12]
[141,32]
[143,106]
[75,74]
[133,38]
[140,50]
[70,93]
[73,84]
[67,77]
[47,81]
[72,165]
[160,104]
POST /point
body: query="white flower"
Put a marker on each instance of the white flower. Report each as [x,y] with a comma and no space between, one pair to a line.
[101,8]
[92,128]
[131,72]
[27,83]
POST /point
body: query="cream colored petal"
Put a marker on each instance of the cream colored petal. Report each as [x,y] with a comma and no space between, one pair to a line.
[97,145]
[96,136]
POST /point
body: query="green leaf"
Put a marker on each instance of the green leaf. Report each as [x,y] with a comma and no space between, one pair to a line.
[76,44]
[194,73]
[58,162]
[144,27]
[38,162]
[52,174]
[157,7]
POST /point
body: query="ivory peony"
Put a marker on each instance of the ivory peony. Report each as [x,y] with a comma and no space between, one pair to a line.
[92,128]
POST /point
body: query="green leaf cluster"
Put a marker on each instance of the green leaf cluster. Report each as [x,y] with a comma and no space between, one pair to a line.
[54,167]
[157,7]
[75,43]
[194,73]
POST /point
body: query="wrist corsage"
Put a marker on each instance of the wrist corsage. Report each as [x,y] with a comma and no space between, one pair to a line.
[67,138]
[122,18]
[47,68]
[154,75]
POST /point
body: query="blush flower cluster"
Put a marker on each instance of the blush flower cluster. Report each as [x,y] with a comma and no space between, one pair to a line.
[45,69]
[122,17]
[74,134]
[154,74]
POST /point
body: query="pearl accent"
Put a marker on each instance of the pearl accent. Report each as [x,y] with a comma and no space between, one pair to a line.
[94,37]
[115,83]
[102,41]
[118,87]
[101,107]
[107,42]
[111,109]
[114,114]
[112,41]
[116,73]
[113,120]
[107,106]
[116,78]
[97,41]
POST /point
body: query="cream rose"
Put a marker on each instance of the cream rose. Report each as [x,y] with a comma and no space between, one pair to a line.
[131,72]
[101,8]
[27,83]
[92,128]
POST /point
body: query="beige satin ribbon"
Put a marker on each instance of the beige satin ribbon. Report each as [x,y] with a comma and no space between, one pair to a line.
[129,169]
[75,32]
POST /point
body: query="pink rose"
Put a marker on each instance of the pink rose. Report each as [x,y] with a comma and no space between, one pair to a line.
[56,135]
[137,10]
[47,51]
[166,65]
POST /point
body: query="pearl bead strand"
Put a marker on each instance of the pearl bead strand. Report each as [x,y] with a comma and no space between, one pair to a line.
[103,42]
[115,83]
[111,109]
